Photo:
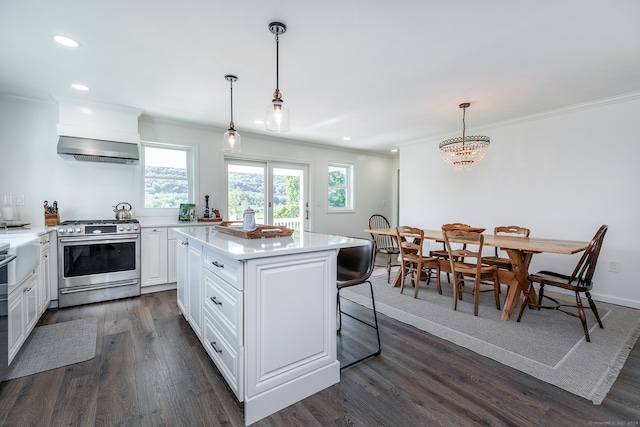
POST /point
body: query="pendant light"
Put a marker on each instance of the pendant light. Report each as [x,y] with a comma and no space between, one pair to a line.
[463,152]
[277,110]
[231,137]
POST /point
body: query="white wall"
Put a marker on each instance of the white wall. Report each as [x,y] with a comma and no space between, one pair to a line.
[561,174]
[29,165]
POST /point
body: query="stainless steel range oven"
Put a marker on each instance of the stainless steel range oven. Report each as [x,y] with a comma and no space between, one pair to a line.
[98,261]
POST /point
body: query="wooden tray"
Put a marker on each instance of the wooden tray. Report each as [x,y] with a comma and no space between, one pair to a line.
[261,231]
[209,219]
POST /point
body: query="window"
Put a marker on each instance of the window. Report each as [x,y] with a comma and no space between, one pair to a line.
[168,175]
[340,187]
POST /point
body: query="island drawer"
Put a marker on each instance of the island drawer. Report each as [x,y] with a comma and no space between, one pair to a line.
[227,268]
[226,357]
[224,302]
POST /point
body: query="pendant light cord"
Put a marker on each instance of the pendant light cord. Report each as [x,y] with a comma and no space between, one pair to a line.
[231,83]
[464,127]
[277,66]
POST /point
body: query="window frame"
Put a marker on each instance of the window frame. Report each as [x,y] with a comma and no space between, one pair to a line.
[349,187]
[191,153]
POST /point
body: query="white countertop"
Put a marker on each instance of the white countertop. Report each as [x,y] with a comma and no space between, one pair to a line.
[18,236]
[242,249]
[144,223]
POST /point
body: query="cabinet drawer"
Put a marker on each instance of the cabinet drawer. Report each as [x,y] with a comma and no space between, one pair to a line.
[225,267]
[228,358]
[224,302]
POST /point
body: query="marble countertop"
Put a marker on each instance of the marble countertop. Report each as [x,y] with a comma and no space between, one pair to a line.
[243,249]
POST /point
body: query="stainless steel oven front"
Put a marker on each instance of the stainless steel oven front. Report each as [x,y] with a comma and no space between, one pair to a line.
[97,267]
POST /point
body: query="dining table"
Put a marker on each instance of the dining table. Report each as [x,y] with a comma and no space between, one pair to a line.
[520,251]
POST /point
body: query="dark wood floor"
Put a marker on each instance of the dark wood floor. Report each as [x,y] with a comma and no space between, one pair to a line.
[150,370]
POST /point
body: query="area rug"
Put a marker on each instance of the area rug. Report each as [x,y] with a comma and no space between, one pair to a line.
[546,344]
[52,346]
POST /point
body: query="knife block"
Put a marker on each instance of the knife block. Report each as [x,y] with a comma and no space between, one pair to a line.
[51,219]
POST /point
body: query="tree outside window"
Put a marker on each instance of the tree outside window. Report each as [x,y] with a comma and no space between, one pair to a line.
[167,176]
[340,187]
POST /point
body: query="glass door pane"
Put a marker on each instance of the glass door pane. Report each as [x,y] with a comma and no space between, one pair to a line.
[287,198]
[246,188]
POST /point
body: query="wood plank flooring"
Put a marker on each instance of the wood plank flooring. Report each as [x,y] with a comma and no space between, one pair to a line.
[150,370]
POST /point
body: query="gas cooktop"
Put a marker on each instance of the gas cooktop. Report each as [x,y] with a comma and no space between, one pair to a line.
[99,222]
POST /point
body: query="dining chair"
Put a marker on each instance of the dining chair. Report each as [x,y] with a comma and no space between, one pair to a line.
[579,281]
[355,265]
[503,262]
[474,272]
[412,260]
[443,254]
[385,244]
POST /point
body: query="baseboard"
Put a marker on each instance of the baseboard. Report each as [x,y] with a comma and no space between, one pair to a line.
[158,288]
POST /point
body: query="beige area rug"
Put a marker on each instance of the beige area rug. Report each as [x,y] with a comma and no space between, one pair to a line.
[546,344]
[52,346]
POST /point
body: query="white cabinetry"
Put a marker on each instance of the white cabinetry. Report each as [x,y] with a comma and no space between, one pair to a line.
[154,256]
[182,252]
[223,309]
[172,246]
[23,313]
[44,274]
[265,312]
[194,265]
[159,249]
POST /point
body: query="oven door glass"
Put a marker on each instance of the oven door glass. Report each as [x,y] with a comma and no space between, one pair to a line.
[87,259]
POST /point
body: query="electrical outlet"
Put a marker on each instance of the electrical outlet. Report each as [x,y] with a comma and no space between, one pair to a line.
[614,266]
[20,200]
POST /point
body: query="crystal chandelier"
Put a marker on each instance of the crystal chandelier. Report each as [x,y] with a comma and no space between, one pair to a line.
[231,141]
[462,152]
[277,110]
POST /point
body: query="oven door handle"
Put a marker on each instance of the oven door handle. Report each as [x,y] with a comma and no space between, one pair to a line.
[98,287]
[98,238]
[7,260]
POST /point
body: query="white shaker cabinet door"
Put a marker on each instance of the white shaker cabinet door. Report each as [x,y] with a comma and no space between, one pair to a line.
[154,256]
[195,288]
[291,322]
[182,281]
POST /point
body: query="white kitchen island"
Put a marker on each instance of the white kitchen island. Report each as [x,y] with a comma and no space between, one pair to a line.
[264,310]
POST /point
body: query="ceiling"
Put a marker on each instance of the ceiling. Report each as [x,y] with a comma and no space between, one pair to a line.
[380,72]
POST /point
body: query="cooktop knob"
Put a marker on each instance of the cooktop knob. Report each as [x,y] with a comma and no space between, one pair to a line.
[121,228]
[78,230]
[128,228]
[61,230]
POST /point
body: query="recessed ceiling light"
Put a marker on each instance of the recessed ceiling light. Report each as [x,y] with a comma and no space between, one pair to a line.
[66,41]
[259,122]
[394,150]
[78,86]
[346,138]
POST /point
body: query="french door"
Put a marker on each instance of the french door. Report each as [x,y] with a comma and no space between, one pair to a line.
[277,192]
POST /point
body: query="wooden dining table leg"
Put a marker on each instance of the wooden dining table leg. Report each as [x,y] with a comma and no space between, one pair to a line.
[520,261]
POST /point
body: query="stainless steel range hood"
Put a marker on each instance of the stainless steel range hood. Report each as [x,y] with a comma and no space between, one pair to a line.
[98,150]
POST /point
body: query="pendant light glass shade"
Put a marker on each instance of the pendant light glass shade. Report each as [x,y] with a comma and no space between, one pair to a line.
[277,110]
[231,140]
[278,116]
